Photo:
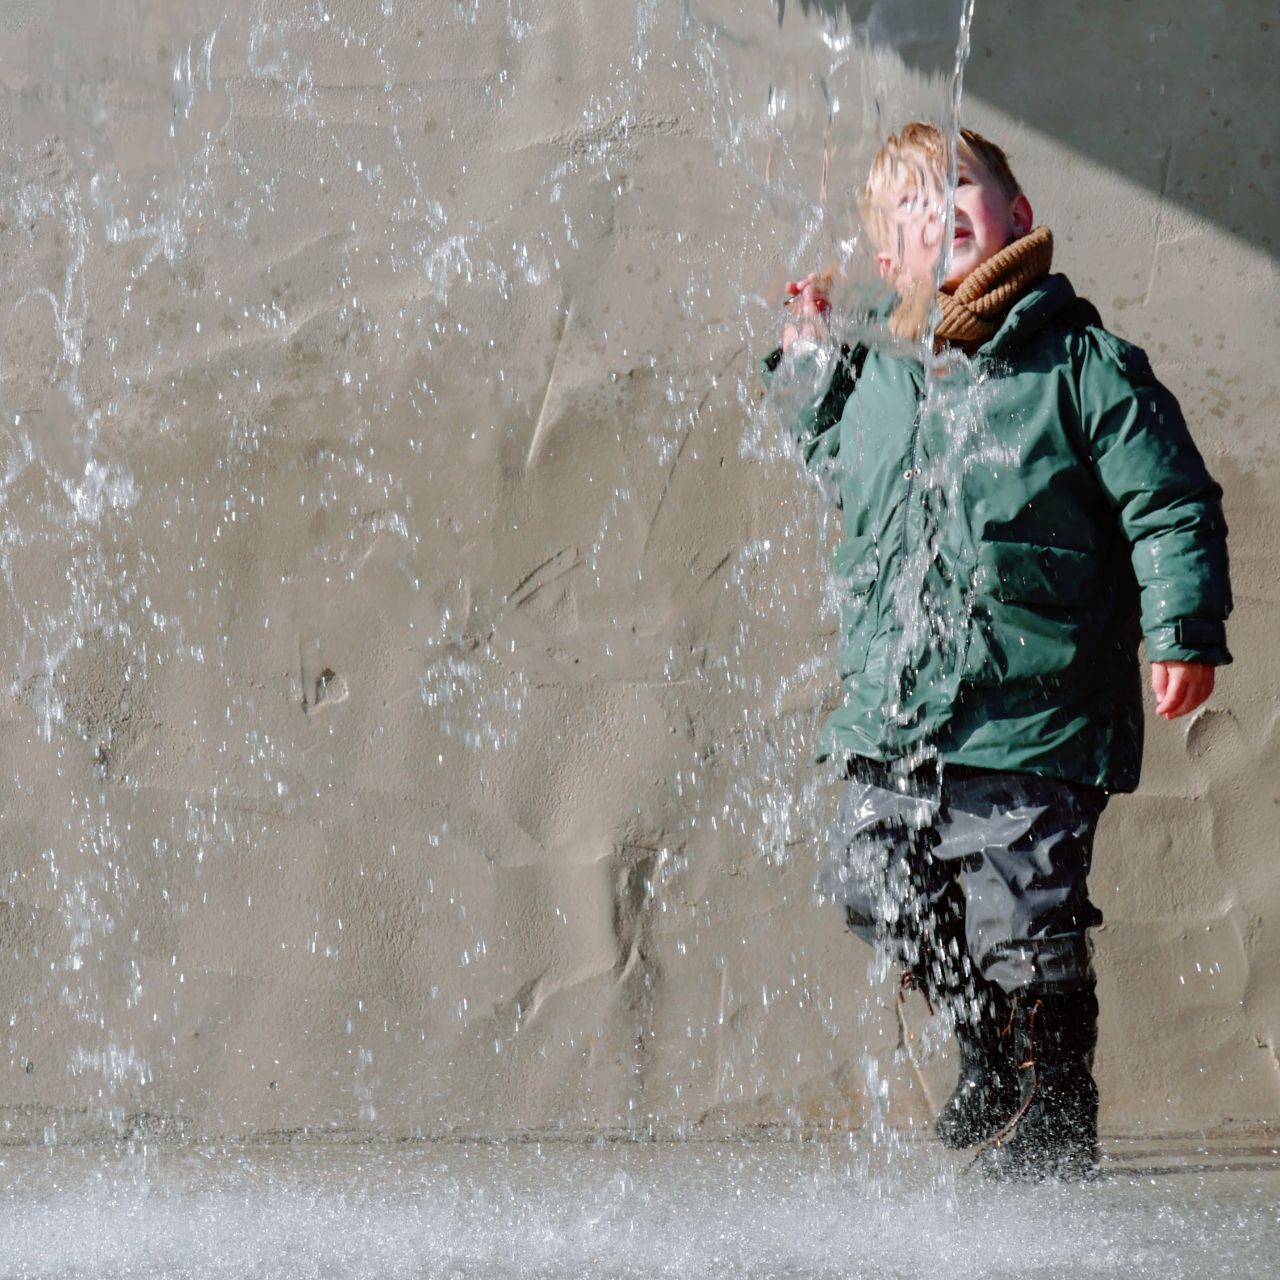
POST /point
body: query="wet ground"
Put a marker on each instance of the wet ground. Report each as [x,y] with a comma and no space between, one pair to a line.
[698,1209]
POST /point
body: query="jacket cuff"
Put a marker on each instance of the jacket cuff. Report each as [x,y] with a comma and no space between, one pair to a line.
[1190,640]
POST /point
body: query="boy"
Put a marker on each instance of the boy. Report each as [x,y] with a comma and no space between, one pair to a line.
[1014,520]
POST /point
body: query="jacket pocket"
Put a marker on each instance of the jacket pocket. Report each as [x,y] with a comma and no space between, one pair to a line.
[1034,613]
[1028,573]
[856,566]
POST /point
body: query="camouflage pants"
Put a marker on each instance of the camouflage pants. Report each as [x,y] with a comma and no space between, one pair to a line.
[977,871]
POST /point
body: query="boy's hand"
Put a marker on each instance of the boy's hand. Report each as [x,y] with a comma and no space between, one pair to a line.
[809,306]
[1180,687]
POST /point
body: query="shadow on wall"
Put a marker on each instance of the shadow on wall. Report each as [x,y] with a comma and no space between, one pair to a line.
[1179,99]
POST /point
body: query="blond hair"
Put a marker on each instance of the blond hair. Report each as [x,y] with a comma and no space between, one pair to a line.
[918,154]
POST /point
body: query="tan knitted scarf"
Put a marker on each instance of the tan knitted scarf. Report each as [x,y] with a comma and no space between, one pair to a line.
[974,311]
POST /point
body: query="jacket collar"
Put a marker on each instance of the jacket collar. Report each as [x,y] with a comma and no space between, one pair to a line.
[1042,301]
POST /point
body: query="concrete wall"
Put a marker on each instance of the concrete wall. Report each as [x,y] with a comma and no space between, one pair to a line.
[415,633]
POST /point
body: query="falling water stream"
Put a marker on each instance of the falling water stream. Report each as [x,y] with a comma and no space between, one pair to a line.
[417,634]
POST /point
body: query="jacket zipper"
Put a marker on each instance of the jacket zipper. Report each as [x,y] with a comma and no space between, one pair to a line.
[910,474]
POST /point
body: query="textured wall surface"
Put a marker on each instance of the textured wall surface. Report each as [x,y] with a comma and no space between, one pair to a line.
[414,629]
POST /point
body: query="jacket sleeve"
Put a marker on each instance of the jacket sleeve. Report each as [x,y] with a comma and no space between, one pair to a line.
[1168,504]
[811,390]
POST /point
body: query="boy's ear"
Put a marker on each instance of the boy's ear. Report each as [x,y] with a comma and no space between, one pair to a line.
[884,264]
[1021,216]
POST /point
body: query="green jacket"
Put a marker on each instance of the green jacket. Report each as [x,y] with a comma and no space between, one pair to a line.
[1004,550]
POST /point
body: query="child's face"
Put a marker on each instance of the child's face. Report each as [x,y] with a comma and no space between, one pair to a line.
[914,213]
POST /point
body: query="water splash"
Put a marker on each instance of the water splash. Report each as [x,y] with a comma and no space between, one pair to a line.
[268,390]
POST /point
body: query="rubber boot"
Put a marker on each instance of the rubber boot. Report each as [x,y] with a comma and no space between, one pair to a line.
[1054,1132]
[986,1093]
